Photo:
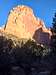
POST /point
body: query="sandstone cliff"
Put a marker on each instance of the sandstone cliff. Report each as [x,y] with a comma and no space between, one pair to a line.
[23,24]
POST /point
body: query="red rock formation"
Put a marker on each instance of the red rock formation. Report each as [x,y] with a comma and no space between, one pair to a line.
[23,24]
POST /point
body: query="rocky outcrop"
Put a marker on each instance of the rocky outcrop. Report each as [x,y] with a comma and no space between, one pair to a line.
[23,24]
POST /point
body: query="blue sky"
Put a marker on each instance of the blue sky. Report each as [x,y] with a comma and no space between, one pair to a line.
[44,9]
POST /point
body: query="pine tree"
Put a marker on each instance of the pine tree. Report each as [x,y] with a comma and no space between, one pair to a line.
[54,33]
[54,23]
[53,42]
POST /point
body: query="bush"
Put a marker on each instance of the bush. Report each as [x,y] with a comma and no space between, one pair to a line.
[21,55]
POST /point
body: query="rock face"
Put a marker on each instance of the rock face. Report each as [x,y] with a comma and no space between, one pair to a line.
[23,24]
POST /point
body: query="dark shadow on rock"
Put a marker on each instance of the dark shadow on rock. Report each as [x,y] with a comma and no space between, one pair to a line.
[41,37]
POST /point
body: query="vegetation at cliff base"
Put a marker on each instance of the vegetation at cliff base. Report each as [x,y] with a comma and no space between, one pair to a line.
[20,54]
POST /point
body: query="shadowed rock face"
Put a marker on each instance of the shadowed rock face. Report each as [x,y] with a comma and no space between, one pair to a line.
[23,24]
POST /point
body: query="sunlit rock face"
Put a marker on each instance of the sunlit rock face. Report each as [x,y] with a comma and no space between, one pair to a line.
[23,24]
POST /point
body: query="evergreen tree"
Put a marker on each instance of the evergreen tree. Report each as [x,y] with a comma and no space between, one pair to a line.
[54,33]
[53,42]
[54,23]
